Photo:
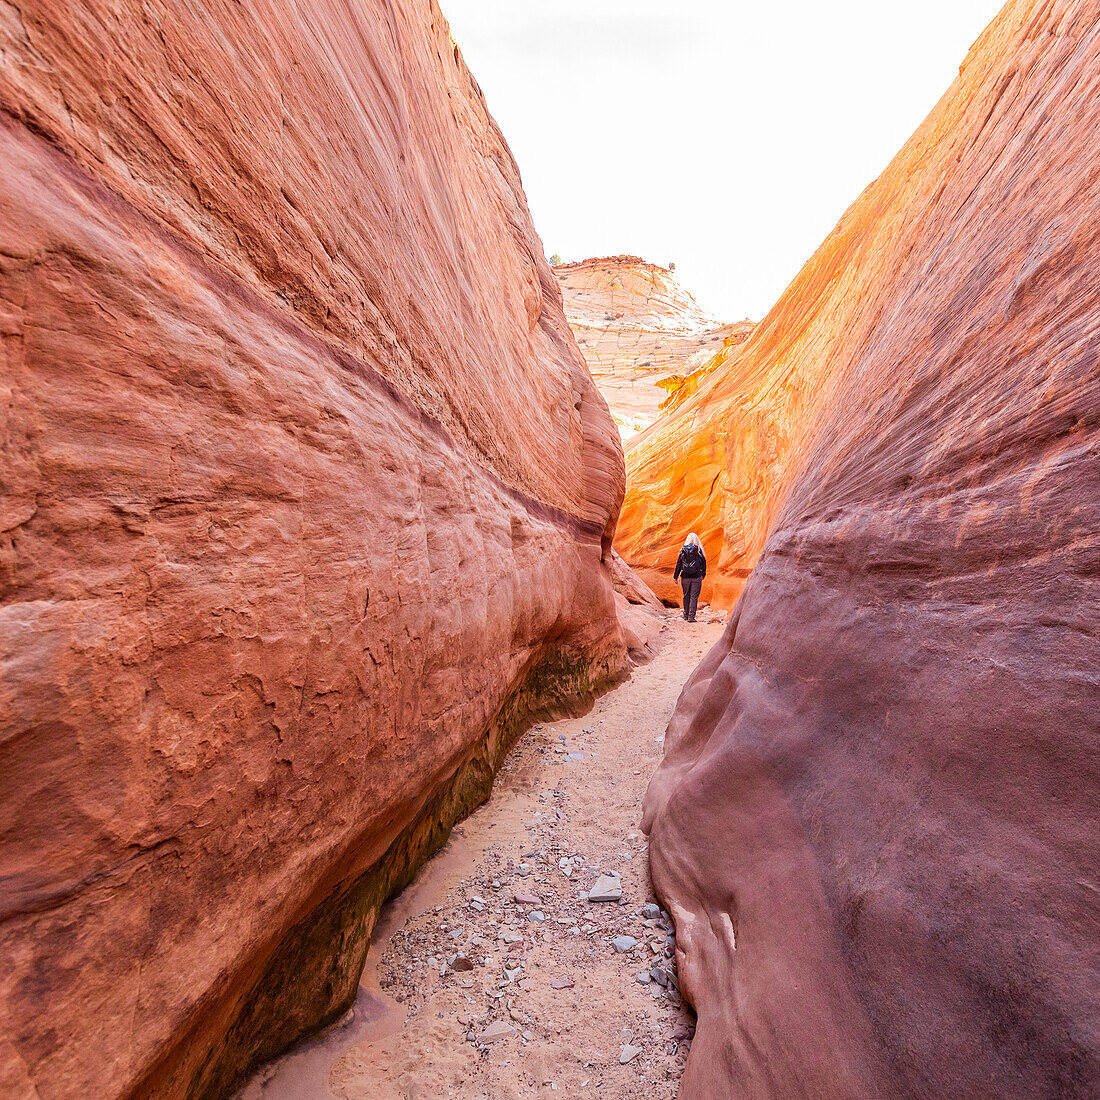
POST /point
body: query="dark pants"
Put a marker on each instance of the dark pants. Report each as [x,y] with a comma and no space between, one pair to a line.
[691,586]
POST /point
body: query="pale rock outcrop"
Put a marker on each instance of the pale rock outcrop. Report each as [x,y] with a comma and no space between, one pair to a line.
[307,496]
[877,821]
[642,334]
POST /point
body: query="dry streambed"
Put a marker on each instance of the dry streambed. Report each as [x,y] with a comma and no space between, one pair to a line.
[530,955]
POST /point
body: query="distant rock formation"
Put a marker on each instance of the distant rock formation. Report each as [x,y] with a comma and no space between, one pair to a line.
[641,333]
[307,507]
[877,821]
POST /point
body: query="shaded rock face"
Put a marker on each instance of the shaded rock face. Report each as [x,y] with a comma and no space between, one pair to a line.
[641,333]
[877,821]
[306,496]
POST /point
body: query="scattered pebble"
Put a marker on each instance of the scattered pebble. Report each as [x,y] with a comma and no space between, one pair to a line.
[606,888]
[550,940]
[498,1029]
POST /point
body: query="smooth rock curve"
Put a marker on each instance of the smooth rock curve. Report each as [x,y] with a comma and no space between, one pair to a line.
[877,821]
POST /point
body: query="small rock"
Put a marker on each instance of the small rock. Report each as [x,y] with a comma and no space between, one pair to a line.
[658,975]
[628,1054]
[606,888]
[461,962]
[643,978]
[536,917]
[561,983]
[523,870]
[622,944]
[651,911]
[498,1029]
[527,899]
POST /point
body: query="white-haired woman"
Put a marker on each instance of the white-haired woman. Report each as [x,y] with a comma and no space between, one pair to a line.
[691,568]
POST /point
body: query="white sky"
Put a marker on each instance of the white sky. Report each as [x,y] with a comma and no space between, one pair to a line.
[728,137]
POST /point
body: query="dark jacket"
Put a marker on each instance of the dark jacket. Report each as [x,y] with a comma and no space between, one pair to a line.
[692,562]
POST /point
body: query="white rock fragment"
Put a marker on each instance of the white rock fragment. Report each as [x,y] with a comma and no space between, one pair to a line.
[606,888]
[498,1029]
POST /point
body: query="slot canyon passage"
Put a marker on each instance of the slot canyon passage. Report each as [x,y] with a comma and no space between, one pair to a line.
[327,501]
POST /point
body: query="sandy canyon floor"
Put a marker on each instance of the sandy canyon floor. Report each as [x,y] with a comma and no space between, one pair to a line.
[493,976]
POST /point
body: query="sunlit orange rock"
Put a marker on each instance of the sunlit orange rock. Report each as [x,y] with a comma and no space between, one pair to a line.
[711,462]
[307,496]
[877,823]
[641,333]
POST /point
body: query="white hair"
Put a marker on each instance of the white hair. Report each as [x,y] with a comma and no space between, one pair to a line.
[693,540]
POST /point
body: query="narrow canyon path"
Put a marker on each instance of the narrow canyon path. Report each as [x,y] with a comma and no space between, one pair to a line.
[493,975]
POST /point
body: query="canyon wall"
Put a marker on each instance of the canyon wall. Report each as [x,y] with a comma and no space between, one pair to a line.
[642,334]
[710,464]
[877,822]
[307,496]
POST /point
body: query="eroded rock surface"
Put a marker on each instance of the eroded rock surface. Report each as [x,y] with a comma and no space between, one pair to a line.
[641,333]
[876,824]
[306,493]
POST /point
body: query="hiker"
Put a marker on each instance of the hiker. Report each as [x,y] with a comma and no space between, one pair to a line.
[691,568]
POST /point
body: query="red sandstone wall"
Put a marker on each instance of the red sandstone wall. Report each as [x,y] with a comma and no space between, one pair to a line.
[717,463]
[893,753]
[304,489]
